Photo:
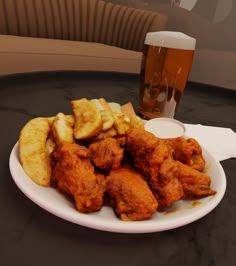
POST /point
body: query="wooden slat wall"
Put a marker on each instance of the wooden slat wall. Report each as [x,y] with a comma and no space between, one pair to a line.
[81,20]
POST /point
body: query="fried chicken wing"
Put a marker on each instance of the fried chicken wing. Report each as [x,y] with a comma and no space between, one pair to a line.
[153,159]
[170,166]
[73,173]
[187,151]
[169,188]
[195,183]
[146,151]
[132,197]
[106,154]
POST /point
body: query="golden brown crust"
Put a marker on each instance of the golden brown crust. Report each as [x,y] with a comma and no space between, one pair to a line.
[34,156]
[88,121]
[62,129]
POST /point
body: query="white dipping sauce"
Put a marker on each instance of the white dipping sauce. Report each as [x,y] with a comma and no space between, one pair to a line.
[165,128]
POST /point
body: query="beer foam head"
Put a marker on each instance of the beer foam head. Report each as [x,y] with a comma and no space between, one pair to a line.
[170,39]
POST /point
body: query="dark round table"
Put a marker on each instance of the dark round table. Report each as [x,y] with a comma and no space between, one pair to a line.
[29,235]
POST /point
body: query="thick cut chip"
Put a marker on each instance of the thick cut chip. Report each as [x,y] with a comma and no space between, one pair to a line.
[88,121]
[136,122]
[33,153]
[105,104]
[107,119]
[50,144]
[110,133]
[70,119]
[122,123]
[115,107]
[106,113]
[97,103]
[62,129]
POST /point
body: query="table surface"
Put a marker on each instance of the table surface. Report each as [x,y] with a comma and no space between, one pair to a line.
[30,235]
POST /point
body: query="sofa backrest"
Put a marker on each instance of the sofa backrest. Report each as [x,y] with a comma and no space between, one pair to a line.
[81,20]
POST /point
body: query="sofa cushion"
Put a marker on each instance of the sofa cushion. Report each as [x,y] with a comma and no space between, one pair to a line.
[28,54]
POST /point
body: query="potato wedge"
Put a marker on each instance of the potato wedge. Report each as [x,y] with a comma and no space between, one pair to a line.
[105,104]
[62,129]
[110,133]
[106,113]
[87,119]
[107,119]
[33,153]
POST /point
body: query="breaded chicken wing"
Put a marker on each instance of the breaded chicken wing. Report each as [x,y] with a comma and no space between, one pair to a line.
[146,152]
[169,188]
[74,174]
[195,183]
[106,154]
[153,159]
[131,195]
[168,178]
[187,151]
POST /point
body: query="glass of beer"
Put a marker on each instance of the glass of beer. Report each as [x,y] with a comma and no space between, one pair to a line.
[166,63]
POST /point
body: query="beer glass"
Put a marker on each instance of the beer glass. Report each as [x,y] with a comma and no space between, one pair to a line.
[166,63]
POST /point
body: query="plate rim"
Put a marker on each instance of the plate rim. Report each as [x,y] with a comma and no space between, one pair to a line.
[88,220]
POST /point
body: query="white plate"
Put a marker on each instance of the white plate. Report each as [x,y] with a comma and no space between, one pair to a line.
[181,213]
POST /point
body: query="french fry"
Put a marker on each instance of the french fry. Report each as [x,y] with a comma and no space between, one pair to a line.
[110,133]
[136,122]
[105,104]
[121,124]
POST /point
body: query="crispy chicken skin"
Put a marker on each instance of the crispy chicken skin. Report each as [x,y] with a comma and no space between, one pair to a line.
[146,152]
[152,158]
[169,188]
[73,173]
[159,161]
[187,151]
[106,154]
[195,184]
[131,195]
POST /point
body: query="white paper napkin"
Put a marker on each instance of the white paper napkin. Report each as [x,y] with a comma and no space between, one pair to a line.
[219,141]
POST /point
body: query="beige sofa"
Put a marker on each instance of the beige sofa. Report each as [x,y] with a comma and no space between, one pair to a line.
[73,35]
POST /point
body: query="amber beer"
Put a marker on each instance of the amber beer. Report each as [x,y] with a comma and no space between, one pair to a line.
[167,60]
